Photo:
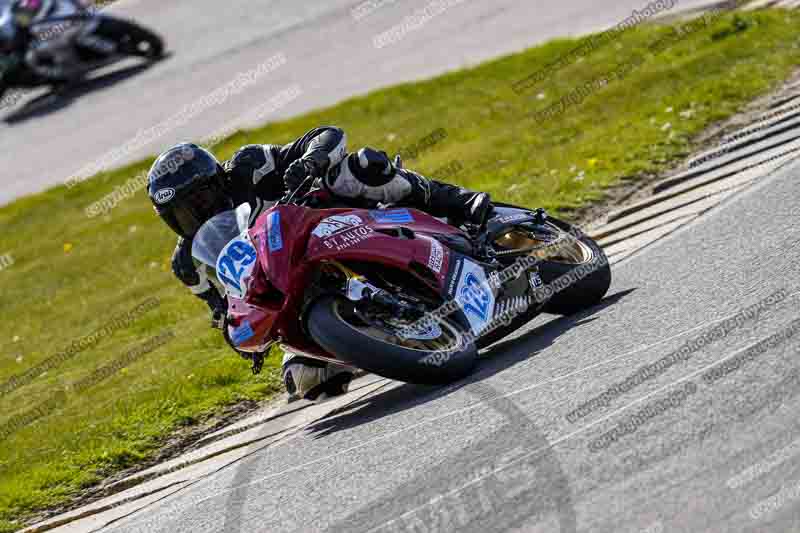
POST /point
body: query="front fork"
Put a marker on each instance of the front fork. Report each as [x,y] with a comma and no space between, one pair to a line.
[359,289]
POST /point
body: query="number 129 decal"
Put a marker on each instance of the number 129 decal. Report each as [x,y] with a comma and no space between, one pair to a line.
[475,297]
[235,264]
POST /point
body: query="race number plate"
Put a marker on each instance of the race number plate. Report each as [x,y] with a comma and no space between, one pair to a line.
[235,264]
[474,296]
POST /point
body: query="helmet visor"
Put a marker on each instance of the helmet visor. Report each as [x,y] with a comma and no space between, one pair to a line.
[194,208]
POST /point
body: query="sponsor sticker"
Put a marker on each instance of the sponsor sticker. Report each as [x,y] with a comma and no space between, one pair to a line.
[165,195]
[455,273]
[514,218]
[332,225]
[274,234]
[436,259]
[536,280]
[392,216]
[474,296]
[243,333]
[343,240]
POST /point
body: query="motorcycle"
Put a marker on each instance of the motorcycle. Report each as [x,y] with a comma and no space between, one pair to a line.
[393,291]
[105,40]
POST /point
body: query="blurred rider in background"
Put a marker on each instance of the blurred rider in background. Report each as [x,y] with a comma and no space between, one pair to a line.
[54,56]
[188,186]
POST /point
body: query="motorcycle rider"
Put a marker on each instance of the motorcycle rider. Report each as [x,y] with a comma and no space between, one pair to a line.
[188,186]
[53,53]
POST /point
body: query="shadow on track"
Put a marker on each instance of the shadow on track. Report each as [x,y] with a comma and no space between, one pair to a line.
[54,101]
[499,357]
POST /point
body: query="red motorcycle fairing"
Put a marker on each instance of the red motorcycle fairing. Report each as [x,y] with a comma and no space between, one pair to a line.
[292,240]
[383,236]
[276,282]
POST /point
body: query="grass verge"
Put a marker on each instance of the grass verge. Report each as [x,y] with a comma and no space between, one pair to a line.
[71,274]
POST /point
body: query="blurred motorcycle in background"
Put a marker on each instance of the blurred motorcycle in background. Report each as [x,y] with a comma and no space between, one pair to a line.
[60,51]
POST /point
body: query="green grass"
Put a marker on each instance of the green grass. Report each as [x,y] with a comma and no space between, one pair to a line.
[54,294]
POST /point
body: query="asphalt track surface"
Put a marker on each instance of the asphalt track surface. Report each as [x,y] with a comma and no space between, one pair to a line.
[497,452]
[329,56]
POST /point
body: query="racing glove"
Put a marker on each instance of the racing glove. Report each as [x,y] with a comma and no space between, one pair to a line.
[312,164]
[218,306]
[295,175]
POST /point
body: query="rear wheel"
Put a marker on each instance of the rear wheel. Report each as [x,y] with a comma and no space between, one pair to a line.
[131,38]
[577,285]
[573,267]
[437,352]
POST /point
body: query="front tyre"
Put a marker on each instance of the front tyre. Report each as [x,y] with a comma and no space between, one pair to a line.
[434,355]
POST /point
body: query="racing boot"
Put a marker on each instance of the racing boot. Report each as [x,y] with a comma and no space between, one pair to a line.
[440,199]
[314,380]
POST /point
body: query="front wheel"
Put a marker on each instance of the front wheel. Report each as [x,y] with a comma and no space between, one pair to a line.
[436,353]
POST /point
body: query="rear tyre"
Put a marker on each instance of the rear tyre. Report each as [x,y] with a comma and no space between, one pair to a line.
[333,323]
[132,39]
[576,287]
[574,268]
